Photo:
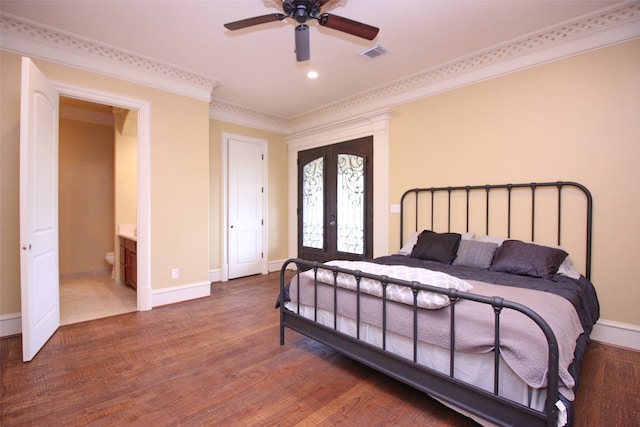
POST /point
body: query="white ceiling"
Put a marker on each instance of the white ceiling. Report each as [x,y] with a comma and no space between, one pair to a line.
[256,69]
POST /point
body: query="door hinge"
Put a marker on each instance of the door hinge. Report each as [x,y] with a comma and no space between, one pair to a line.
[263,157]
[261,254]
[262,189]
[262,222]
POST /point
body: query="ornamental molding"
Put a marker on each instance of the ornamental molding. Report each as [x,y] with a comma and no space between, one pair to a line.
[47,43]
[603,29]
[616,25]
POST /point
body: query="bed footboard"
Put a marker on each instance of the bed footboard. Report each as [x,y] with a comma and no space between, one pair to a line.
[446,387]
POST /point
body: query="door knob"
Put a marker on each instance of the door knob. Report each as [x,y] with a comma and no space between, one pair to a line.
[332,223]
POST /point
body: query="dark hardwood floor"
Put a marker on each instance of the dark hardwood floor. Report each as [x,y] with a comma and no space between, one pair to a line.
[217,361]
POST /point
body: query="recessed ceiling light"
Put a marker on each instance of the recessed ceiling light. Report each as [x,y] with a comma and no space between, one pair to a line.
[312,74]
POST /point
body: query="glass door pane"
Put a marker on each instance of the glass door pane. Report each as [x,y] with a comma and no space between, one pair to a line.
[313,204]
[350,204]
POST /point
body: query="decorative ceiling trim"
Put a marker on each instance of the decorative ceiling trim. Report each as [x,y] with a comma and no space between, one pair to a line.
[616,25]
[604,29]
[247,117]
[47,43]
[609,27]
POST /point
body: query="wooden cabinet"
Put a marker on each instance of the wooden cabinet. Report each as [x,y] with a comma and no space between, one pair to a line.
[128,262]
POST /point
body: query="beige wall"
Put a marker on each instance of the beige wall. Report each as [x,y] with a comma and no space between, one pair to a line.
[126,175]
[277,189]
[574,120]
[9,184]
[126,167]
[86,196]
[179,166]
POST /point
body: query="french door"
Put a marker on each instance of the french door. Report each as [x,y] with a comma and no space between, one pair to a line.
[335,201]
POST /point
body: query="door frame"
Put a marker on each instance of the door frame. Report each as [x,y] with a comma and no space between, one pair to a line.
[224,178]
[143,108]
[374,124]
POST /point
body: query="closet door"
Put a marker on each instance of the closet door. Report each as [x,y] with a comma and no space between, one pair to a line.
[335,201]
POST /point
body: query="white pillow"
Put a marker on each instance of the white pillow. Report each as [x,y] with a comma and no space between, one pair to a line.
[467,236]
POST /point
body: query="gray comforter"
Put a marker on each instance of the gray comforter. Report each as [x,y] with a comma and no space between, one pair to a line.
[522,345]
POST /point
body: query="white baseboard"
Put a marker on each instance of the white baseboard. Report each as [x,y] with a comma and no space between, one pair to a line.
[275,265]
[616,333]
[215,275]
[10,324]
[180,293]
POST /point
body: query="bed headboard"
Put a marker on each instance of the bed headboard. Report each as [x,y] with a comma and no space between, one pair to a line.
[552,213]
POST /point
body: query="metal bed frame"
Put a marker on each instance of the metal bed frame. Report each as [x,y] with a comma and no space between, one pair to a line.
[467,397]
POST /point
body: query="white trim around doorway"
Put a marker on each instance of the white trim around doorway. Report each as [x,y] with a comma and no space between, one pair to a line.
[143,108]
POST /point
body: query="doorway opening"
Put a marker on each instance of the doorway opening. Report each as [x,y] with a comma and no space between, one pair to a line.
[97,193]
[143,201]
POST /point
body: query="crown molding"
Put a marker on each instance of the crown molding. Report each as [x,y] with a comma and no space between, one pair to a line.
[615,25]
[38,41]
[239,115]
[606,28]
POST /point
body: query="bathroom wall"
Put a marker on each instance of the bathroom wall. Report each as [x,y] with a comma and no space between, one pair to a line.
[126,166]
[126,173]
[86,196]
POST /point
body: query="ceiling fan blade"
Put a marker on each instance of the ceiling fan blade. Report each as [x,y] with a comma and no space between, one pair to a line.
[302,43]
[348,26]
[256,20]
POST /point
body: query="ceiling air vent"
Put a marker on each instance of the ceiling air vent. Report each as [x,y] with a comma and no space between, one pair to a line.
[373,52]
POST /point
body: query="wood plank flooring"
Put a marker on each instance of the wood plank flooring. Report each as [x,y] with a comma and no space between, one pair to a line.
[217,361]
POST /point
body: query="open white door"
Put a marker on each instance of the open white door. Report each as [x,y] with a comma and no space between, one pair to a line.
[246,220]
[38,209]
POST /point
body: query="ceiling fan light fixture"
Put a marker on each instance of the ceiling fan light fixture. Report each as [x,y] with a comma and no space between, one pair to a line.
[373,51]
[303,51]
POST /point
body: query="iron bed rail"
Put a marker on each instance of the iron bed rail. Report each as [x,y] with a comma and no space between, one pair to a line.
[532,187]
[490,406]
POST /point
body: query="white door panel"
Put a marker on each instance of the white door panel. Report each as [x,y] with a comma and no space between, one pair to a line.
[38,209]
[245,216]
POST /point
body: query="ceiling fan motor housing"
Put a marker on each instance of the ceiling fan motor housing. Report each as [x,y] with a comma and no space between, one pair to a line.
[302,10]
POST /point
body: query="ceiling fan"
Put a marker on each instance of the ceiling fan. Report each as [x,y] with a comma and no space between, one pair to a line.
[301,11]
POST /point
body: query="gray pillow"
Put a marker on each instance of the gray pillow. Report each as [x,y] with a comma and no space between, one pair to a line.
[472,253]
[527,259]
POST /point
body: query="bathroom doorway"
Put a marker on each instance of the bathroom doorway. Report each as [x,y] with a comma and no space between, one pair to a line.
[97,191]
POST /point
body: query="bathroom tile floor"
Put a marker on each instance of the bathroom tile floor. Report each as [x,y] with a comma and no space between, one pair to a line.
[90,297]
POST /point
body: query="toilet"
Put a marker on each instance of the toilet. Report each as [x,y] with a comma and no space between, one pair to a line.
[110,257]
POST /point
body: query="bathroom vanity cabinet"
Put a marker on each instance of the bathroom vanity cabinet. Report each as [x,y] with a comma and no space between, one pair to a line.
[128,262]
